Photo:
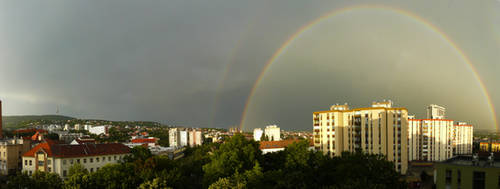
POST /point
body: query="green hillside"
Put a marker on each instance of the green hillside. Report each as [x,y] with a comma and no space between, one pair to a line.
[15,122]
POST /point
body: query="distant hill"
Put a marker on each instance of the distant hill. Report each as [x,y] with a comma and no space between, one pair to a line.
[16,122]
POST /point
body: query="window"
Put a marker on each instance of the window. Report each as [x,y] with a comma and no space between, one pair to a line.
[91,160]
[84,160]
[64,162]
[41,163]
[30,173]
[30,162]
[448,178]
[91,170]
[97,169]
[25,162]
[65,173]
[48,162]
[97,159]
[50,170]
[478,180]
[109,158]
[77,160]
[115,157]
[71,161]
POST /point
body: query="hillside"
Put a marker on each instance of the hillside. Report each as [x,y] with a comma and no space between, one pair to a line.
[15,122]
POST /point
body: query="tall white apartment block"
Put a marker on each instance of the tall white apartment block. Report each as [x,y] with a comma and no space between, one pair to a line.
[183,136]
[435,112]
[438,139]
[173,137]
[430,139]
[257,134]
[463,135]
[272,132]
[379,129]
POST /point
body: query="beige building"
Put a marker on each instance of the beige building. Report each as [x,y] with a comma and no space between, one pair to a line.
[273,133]
[436,138]
[430,139]
[58,158]
[462,135]
[379,129]
[11,151]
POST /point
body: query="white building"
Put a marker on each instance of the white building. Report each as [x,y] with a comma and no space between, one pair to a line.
[78,127]
[257,134]
[98,130]
[183,138]
[173,137]
[435,112]
[272,132]
[58,158]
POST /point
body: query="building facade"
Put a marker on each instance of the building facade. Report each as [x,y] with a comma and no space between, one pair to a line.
[257,134]
[11,151]
[99,130]
[467,172]
[462,138]
[195,138]
[430,139]
[58,158]
[173,137]
[436,112]
[379,129]
[273,133]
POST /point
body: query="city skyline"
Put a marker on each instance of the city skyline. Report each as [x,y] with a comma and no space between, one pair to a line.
[258,63]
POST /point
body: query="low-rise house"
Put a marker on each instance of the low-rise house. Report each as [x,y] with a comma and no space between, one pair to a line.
[151,141]
[275,146]
[58,158]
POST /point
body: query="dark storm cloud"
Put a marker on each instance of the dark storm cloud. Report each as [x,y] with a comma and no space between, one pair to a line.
[165,60]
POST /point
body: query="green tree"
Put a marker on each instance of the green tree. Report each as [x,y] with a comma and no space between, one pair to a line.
[78,178]
[156,183]
[46,180]
[236,155]
[20,180]
[139,153]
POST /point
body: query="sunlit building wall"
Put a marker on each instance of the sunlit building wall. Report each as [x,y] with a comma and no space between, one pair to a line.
[380,129]
[433,141]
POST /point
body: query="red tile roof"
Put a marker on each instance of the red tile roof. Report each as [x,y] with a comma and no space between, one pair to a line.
[144,140]
[276,144]
[29,131]
[54,149]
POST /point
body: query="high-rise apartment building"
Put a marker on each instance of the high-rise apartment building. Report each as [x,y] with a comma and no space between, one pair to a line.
[195,138]
[435,112]
[436,138]
[379,129]
[430,139]
[462,135]
[173,137]
[273,133]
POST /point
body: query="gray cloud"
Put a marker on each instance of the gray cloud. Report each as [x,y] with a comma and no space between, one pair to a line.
[166,60]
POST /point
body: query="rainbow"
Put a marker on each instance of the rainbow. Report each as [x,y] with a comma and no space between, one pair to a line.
[336,12]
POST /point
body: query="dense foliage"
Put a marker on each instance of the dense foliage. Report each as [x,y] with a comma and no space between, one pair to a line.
[237,163]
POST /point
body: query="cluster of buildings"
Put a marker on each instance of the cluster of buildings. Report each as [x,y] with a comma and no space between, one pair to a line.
[390,131]
[180,137]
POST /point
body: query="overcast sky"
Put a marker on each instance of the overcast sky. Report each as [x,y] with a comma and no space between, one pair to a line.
[193,63]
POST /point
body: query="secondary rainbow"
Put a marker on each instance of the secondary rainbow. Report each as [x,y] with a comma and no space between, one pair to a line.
[368,7]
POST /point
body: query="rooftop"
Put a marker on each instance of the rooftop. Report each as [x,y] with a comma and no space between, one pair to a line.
[55,149]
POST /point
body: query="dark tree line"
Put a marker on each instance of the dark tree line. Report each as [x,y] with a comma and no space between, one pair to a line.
[237,163]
